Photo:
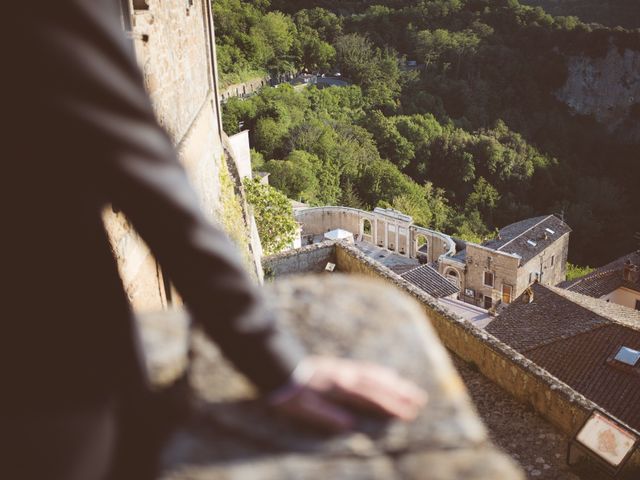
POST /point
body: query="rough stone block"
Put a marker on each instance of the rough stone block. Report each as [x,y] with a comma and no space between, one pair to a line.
[233,436]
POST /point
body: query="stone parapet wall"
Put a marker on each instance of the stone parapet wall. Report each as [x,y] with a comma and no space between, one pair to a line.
[232,435]
[319,220]
[312,258]
[244,89]
[174,46]
[527,382]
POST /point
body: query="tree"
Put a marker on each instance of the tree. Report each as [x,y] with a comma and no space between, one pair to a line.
[274,216]
[273,38]
[391,144]
[327,24]
[426,204]
[444,46]
[484,199]
[296,176]
[355,56]
[576,271]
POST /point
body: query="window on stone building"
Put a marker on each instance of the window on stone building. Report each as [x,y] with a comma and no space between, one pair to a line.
[488,302]
[452,276]
[637,304]
[366,227]
[553,258]
[488,279]
[140,4]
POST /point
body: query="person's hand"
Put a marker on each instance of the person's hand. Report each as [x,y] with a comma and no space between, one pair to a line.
[322,388]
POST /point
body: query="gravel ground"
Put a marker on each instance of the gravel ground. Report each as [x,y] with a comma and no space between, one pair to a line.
[534,443]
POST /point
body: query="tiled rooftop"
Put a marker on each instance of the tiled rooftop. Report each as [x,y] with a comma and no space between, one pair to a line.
[574,337]
[430,281]
[550,317]
[529,237]
[582,363]
[606,279]
[393,261]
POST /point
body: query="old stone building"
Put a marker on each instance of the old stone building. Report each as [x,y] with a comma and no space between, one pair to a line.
[616,282]
[485,275]
[502,269]
[385,228]
[175,48]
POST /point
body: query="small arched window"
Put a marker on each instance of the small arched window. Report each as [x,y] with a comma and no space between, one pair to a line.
[366,227]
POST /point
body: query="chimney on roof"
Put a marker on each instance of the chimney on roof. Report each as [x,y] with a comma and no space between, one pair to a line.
[631,272]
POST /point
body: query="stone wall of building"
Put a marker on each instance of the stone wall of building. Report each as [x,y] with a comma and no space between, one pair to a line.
[381,230]
[504,268]
[552,263]
[507,271]
[530,384]
[173,43]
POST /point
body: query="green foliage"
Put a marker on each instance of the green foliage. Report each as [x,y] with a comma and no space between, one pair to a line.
[471,140]
[296,176]
[231,215]
[576,271]
[274,216]
[613,13]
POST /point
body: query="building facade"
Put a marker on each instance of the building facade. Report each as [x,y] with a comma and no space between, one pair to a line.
[496,272]
[385,228]
[174,44]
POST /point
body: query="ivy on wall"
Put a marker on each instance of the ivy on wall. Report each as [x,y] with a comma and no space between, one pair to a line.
[231,216]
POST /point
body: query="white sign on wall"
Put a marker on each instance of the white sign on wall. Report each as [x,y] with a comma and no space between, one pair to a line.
[607,439]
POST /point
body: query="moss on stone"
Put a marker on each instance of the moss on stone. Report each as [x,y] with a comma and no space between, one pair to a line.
[231,215]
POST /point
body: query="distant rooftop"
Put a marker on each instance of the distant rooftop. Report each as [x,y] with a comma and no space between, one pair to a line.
[528,238]
[395,262]
[606,279]
[576,338]
[430,281]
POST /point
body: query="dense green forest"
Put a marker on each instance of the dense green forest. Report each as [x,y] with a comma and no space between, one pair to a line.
[612,13]
[471,140]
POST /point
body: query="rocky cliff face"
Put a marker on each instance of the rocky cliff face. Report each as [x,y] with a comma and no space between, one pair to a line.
[607,88]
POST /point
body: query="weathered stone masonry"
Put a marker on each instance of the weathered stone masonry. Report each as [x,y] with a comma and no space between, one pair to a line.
[174,45]
[530,384]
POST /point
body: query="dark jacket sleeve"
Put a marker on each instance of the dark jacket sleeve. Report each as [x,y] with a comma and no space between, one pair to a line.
[93,84]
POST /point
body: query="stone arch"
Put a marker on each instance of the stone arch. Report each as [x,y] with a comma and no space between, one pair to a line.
[367,227]
[421,247]
[452,275]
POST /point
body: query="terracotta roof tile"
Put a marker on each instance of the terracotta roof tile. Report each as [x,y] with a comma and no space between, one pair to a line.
[581,362]
[605,279]
[574,337]
[550,317]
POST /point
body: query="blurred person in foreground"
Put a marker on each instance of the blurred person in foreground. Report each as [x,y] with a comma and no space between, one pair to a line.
[82,135]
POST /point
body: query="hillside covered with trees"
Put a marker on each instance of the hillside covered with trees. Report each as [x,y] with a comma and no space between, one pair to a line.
[470,140]
[612,13]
